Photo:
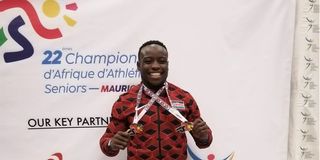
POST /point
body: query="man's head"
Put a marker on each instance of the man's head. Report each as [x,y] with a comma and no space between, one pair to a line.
[153,64]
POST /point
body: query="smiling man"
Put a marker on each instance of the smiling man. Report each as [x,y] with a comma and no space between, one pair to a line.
[151,119]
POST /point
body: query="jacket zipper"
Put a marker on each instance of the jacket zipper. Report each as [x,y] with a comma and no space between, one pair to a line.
[159,138]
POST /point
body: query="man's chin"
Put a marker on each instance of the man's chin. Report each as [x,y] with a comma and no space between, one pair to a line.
[155,85]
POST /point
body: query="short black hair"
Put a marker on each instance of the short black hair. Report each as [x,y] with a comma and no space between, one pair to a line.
[150,42]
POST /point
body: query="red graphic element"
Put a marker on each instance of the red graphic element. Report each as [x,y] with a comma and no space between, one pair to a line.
[33,17]
[72,6]
[58,155]
[211,157]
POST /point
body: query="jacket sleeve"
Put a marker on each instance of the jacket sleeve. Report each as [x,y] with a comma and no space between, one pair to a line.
[194,113]
[117,123]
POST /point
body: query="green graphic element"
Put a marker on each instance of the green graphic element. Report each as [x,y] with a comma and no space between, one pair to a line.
[3,38]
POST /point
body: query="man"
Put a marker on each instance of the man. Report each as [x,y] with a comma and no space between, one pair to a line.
[152,117]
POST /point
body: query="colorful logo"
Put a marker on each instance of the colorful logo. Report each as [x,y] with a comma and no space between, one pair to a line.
[56,156]
[50,8]
[209,157]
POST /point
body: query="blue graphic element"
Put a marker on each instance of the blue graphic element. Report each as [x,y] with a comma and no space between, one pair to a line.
[27,51]
[193,156]
[52,57]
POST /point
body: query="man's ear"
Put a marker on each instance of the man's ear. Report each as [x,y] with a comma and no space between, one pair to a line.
[138,66]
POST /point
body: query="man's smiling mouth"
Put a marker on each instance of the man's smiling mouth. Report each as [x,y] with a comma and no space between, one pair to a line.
[155,75]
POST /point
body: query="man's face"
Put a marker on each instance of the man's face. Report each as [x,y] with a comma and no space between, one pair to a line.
[153,65]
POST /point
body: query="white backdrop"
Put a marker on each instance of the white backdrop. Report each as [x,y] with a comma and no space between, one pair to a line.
[233,56]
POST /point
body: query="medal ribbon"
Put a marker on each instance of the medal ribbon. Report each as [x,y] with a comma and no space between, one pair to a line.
[166,106]
[155,97]
[145,107]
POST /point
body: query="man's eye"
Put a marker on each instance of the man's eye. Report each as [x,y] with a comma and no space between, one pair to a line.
[164,61]
[147,61]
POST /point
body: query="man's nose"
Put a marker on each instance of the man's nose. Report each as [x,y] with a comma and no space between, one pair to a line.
[155,65]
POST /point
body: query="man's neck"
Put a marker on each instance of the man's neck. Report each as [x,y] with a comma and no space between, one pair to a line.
[153,88]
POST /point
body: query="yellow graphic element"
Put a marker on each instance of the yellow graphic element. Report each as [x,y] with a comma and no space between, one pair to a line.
[51,8]
[70,21]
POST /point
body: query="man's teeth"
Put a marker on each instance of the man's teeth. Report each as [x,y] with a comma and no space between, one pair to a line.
[155,74]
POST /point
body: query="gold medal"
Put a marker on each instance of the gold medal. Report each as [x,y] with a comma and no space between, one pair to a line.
[189,126]
[185,126]
[135,129]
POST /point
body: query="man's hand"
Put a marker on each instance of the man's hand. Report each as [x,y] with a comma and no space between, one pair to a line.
[120,140]
[200,129]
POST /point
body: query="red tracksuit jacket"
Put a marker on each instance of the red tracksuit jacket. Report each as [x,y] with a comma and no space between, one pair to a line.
[159,139]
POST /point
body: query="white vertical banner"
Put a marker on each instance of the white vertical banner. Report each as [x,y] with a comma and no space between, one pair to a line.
[64,63]
[304,115]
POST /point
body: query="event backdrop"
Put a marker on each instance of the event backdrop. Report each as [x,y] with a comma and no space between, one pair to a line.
[64,63]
